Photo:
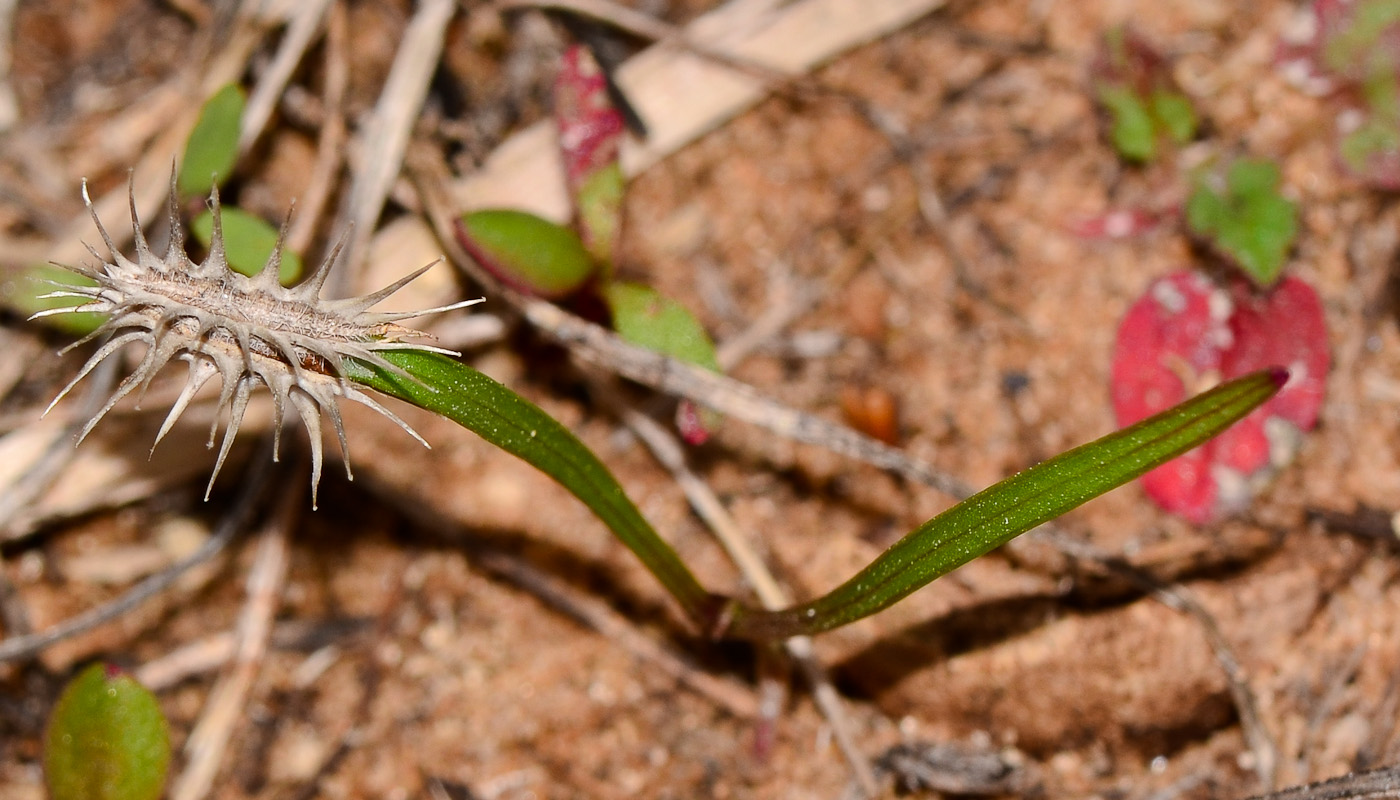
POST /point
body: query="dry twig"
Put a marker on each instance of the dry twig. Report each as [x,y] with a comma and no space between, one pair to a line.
[386,137]
[224,706]
[274,80]
[666,449]
[1261,743]
[1380,784]
[330,142]
[234,521]
[57,453]
[597,345]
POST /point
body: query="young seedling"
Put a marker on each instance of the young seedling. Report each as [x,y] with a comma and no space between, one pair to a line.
[590,139]
[1145,108]
[1187,333]
[1133,83]
[548,260]
[312,352]
[1353,54]
[1242,216]
[106,740]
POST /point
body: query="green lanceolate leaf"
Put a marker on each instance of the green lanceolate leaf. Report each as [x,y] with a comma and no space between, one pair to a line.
[1133,134]
[249,240]
[646,317]
[529,253]
[106,740]
[212,148]
[970,529]
[514,424]
[999,514]
[1175,115]
[599,202]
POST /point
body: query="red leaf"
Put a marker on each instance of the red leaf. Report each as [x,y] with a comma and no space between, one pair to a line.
[1285,327]
[1185,334]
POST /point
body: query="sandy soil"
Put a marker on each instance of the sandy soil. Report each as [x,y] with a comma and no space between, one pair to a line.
[406,666]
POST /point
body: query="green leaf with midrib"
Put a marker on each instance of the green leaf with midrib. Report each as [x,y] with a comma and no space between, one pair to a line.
[964,532]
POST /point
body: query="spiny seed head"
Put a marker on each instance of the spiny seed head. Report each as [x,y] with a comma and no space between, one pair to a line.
[249,331]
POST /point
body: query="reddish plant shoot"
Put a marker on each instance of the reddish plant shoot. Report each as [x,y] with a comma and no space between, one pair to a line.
[1185,334]
[1133,82]
[1351,51]
[590,139]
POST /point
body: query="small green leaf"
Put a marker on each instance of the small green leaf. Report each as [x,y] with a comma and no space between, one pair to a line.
[249,241]
[645,317]
[1249,221]
[527,252]
[1249,179]
[1382,93]
[106,740]
[600,212]
[1133,134]
[1175,115]
[212,148]
[26,292]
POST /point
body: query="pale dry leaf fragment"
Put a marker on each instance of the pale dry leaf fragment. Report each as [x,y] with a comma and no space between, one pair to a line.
[249,331]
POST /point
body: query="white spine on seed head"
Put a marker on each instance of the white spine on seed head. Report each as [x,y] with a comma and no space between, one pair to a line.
[249,331]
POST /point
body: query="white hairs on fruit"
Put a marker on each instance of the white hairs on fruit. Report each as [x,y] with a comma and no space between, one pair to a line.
[249,331]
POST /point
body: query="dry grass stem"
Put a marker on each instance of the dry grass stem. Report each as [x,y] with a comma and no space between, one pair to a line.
[225,705]
[385,138]
[330,142]
[666,449]
[17,647]
[272,84]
